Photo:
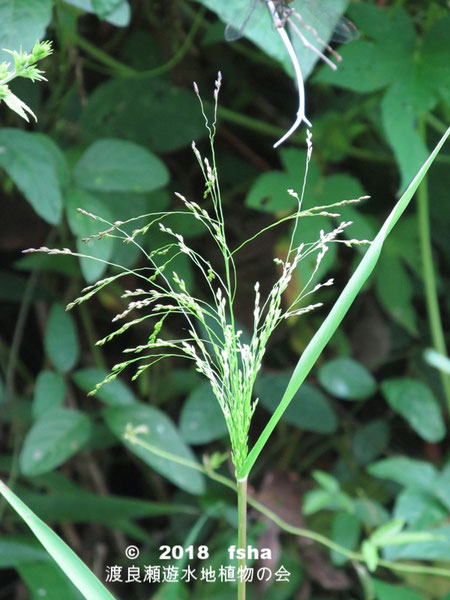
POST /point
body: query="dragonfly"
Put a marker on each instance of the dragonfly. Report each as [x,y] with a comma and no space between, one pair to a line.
[305,19]
[344,30]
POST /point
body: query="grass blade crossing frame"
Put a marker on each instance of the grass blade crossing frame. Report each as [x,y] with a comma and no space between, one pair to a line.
[339,310]
[68,561]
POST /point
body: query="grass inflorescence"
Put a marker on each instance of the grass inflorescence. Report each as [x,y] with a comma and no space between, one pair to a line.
[229,358]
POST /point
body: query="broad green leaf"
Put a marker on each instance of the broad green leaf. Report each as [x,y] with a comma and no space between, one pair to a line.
[129,205]
[113,165]
[84,226]
[404,242]
[435,57]
[22,23]
[411,537]
[56,436]
[360,69]
[162,434]
[309,410]
[315,500]
[178,382]
[269,192]
[105,7]
[376,22]
[400,126]
[388,591]
[438,548]
[31,165]
[330,496]
[201,419]
[346,379]
[49,392]
[57,157]
[55,263]
[346,530]
[14,552]
[101,437]
[419,508]
[73,567]
[394,290]
[79,506]
[335,132]
[416,474]
[2,391]
[61,340]
[13,286]
[48,581]
[370,440]
[441,488]
[415,402]
[371,64]
[119,16]
[417,87]
[386,531]
[326,481]
[113,393]
[172,115]
[369,512]
[336,188]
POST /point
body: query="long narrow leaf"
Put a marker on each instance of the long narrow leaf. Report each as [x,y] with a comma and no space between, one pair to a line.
[73,567]
[339,310]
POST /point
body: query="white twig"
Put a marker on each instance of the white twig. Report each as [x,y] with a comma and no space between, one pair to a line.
[311,47]
[298,75]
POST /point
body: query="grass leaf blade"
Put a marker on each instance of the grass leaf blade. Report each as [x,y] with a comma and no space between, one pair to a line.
[339,310]
[73,567]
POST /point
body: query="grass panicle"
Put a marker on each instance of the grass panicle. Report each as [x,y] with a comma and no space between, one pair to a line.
[229,358]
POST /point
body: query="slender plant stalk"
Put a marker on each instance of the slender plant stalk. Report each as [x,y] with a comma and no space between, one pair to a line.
[132,435]
[242,533]
[298,77]
[123,70]
[93,589]
[429,278]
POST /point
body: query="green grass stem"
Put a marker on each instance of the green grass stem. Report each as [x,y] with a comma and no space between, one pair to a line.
[429,278]
[354,556]
[242,532]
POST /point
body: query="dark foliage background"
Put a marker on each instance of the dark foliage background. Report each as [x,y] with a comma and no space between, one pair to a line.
[115,124]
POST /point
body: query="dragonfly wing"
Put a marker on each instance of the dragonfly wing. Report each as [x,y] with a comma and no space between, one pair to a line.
[324,21]
[344,31]
[235,29]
